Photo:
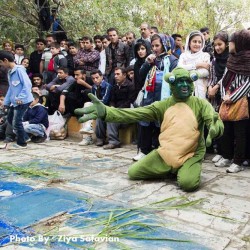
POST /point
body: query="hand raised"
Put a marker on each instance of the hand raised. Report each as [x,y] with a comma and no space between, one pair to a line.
[97,110]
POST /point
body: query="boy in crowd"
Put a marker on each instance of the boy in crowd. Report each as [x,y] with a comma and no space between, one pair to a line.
[19,53]
[102,90]
[18,98]
[73,49]
[57,61]
[55,88]
[178,45]
[39,87]
[35,120]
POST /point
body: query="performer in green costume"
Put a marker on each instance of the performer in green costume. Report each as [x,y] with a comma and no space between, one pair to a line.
[182,116]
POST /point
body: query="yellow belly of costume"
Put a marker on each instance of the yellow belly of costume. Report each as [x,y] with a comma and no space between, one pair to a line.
[179,135]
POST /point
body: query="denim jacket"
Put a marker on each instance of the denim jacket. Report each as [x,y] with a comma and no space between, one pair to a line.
[19,87]
[105,91]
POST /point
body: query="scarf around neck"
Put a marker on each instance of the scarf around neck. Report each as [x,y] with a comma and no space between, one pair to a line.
[239,63]
[220,63]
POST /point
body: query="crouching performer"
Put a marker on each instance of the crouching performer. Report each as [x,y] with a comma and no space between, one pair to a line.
[182,117]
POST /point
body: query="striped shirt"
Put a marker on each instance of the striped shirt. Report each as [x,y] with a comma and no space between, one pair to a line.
[239,87]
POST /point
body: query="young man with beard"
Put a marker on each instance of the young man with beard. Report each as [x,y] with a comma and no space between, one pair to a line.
[36,56]
[46,56]
[87,57]
[117,54]
[99,47]
[131,44]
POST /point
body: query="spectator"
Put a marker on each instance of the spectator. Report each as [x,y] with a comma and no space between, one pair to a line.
[73,49]
[8,46]
[36,56]
[87,57]
[19,53]
[102,90]
[35,120]
[55,88]
[157,64]
[208,44]
[75,95]
[131,44]
[179,49]
[121,97]
[18,98]
[195,59]
[100,47]
[57,61]
[153,30]
[46,56]
[116,54]
[145,32]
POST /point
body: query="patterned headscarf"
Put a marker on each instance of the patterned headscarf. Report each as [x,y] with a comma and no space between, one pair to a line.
[168,43]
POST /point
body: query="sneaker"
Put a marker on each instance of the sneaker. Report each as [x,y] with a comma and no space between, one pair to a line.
[216,158]
[245,163]
[10,146]
[111,146]
[28,140]
[222,163]
[8,140]
[87,130]
[139,156]
[99,143]
[39,139]
[86,141]
[234,168]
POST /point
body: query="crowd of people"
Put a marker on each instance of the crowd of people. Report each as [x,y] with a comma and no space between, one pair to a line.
[59,75]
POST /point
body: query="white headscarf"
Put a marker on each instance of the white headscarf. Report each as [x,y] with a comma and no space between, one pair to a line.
[188,53]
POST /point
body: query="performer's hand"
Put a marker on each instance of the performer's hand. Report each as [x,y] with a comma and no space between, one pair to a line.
[213,131]
[97,110]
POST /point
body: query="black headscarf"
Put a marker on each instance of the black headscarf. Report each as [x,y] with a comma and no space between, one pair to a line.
[139,61]
[221,59]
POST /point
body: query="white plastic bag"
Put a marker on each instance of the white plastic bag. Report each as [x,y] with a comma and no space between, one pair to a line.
[56,123]
[139,98]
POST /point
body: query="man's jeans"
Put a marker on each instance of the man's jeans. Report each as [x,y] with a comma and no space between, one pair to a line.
[15,118]
[34,129]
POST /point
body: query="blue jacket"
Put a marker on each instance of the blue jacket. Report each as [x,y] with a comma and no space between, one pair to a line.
[105,92]
[19,87]
[37,114]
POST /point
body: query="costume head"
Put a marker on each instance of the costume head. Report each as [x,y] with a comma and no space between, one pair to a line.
[181,82]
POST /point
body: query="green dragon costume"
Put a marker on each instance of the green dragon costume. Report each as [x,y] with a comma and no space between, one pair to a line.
[182,116]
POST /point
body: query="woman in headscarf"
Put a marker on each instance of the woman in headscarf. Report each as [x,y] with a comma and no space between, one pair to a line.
[195,59]
[217,69]
[156,65]
[235,84]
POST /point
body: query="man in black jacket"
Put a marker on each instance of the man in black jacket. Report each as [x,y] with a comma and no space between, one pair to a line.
[36,56]
[117,54]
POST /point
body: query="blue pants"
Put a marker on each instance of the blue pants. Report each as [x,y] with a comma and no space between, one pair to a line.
[34,129]
[15,118]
